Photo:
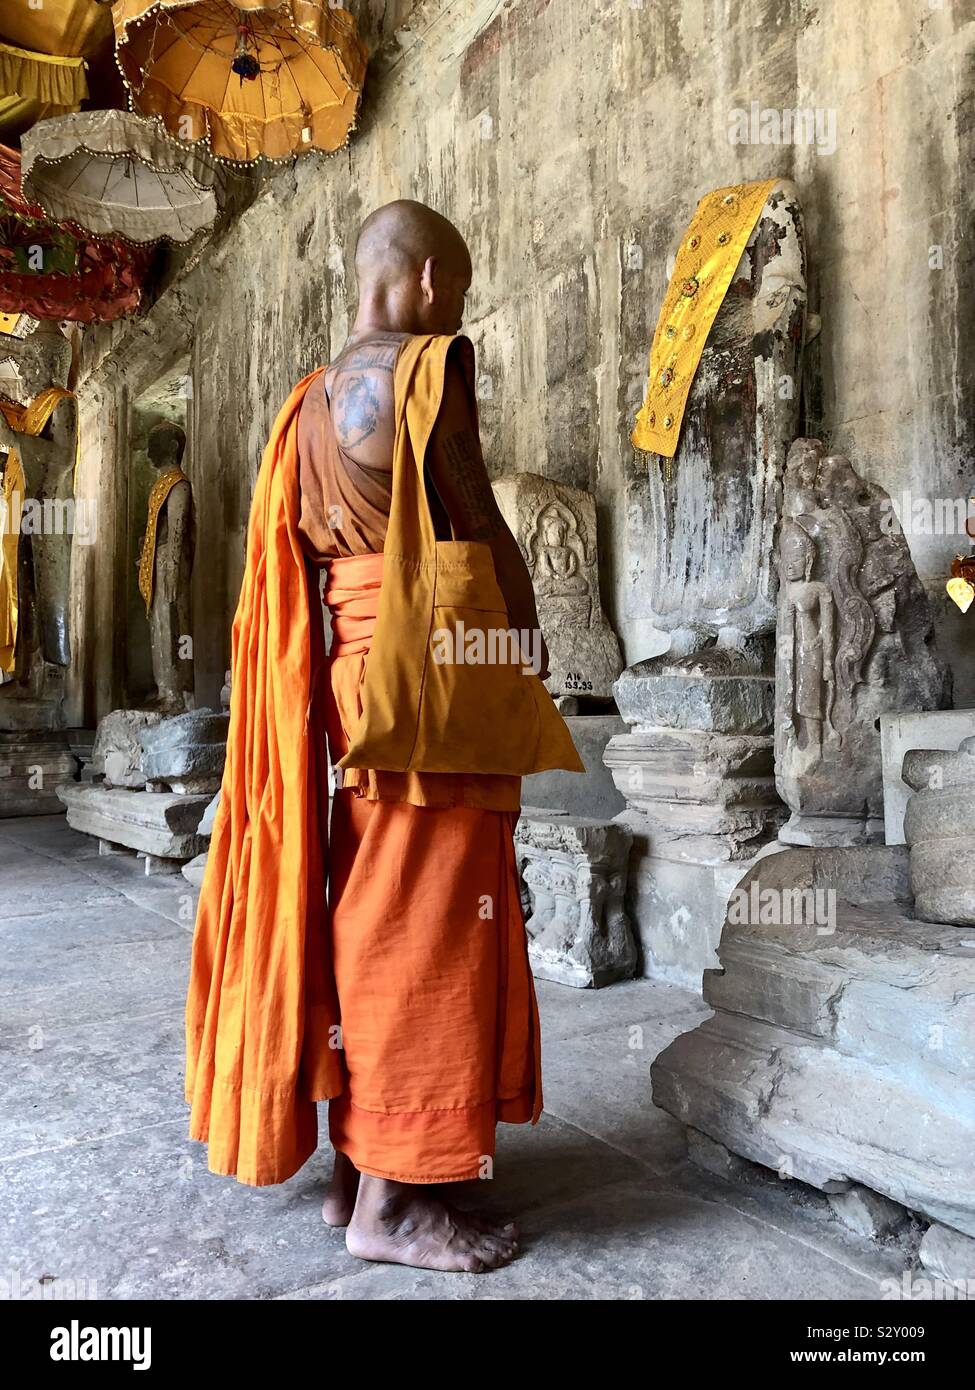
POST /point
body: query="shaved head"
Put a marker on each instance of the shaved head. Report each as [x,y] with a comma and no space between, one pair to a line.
[414,261]
[398,239]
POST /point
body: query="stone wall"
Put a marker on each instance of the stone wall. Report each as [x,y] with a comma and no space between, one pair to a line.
[571,143]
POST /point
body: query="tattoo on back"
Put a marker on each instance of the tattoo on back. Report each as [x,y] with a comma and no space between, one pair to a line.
[357,410]
[378,357]
[471,480]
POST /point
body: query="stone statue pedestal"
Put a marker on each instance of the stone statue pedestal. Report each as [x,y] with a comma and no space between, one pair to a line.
[697,771]
[32,766]
[696,767]
[840,1019]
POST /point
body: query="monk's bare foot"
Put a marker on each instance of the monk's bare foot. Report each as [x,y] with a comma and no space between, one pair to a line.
[339,1202]
[404,1224]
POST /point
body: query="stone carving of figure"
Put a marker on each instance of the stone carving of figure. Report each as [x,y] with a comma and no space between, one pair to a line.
[44,361]
[806,639]
[166,555]
[555,527]
[854,642]
[556,553]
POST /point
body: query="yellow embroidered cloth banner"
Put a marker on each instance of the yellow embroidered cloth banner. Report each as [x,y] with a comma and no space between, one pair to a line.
[706,261]
[161,489]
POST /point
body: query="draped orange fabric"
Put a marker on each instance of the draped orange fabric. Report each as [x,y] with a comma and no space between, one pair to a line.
[262,1037]
[410,1006]
[439,1019]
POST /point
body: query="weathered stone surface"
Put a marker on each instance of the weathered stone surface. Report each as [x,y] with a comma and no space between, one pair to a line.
[938,828]
[711,531]
[899,733]
[713,793]
[186,752]
[117,753]
[715,1158]
[854,642]
[163,824]
[704,692]
[574,869]
[592,795]
[193,871]
[949,1256]
[842,1048]
[209,816]
[31,767]
[868,1213]
[555,527]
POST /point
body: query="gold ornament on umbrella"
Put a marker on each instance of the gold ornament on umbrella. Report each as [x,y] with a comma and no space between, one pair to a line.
[254,80]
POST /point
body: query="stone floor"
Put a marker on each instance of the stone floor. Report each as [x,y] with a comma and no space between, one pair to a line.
[100,1183]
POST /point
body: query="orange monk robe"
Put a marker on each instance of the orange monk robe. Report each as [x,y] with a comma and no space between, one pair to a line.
[439,1020]
[262,1022]
[424,961]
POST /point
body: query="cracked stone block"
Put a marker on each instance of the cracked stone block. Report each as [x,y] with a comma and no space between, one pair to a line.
[950,1256]
[714,1158]
[161,824]
[193,871]
[574,872]
[32,765]
[938,828]
[869,1214]
[186,752]
[116,753]
[842,1045]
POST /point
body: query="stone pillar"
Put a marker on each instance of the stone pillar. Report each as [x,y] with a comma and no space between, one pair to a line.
[696,767]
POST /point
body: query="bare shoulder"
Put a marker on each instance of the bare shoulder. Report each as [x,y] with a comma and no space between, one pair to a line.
[360,390]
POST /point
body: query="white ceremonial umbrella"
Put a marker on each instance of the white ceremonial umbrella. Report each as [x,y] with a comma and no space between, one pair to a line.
[117,174]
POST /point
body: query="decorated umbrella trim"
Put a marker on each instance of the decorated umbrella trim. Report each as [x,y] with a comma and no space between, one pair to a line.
[187,160]
[50,80]
[99,289]
[334,21]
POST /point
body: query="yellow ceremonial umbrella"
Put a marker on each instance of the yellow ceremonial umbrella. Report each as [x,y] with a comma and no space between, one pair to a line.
[44,48]
[255,80]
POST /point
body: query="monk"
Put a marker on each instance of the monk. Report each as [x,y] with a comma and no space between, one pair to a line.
[409,1004]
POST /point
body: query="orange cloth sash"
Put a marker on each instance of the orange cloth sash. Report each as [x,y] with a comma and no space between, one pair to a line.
[262,1037]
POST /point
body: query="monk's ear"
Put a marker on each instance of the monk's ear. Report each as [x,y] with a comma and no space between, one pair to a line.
[428,278]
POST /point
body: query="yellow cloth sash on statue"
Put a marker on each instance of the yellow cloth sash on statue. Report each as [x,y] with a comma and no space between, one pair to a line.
[13,498]
[703,271]
[31,419]
[23,419]
[161,489]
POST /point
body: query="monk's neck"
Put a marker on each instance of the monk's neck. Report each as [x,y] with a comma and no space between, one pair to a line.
[379,312]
